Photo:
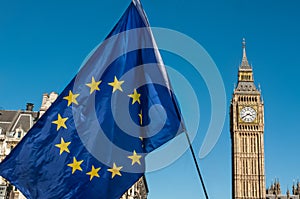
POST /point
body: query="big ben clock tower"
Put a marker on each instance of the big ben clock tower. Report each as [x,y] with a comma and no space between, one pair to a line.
[247,136]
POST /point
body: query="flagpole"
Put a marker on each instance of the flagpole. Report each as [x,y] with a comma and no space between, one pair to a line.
[196,164]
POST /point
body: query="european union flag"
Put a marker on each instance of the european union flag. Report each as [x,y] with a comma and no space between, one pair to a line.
[92,141]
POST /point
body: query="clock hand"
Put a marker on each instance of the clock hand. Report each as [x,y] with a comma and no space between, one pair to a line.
[246,115]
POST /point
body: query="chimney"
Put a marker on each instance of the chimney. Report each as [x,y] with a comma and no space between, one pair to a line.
[29,106]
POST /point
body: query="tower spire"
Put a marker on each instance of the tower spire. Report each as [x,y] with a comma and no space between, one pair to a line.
[244,48]
[245,98]
[244,64]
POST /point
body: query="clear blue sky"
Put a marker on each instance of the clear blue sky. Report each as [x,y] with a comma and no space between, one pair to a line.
[42,45]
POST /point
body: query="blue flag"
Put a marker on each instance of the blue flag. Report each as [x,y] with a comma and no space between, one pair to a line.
[92,141]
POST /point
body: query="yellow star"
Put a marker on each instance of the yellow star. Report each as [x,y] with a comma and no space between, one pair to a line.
[93,172]
[63,146]
[116,84]
[115,171]
[135,97]
[141,117]
[94,86]
[75,165]
[135,158]
[60,122]
[71,98]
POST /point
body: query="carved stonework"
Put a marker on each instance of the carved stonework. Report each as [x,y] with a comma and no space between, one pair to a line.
[14,125]
[274,192]
[47,101]
[247,136]
[138,191]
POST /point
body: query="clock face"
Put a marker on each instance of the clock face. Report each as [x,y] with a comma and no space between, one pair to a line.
[248,114]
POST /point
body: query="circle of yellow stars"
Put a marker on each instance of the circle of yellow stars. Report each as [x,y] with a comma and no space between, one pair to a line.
[60,122]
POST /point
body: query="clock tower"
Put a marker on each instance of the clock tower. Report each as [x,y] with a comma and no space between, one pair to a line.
[247,136]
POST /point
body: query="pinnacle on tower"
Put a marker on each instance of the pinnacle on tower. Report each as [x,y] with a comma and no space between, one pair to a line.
[245,63]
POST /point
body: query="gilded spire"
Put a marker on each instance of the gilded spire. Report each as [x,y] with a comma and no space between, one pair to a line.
[244,64]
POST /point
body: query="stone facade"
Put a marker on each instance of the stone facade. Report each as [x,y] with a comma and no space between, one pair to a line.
[247,136]
[274,192]
[13,127]
[138,191]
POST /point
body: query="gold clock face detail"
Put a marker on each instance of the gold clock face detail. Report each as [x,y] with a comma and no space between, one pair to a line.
[248,114]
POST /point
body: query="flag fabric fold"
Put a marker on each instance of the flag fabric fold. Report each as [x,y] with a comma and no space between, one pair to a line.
[92,141]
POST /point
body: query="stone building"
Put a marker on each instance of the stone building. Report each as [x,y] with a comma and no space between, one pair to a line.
[274,192]
[247,141]
[13,127]
[247,136]
[138,191]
